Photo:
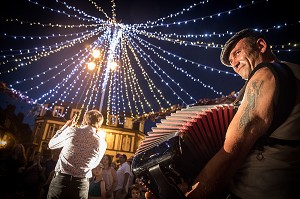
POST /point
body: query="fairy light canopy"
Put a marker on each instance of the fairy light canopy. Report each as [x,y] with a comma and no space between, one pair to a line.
[131,58]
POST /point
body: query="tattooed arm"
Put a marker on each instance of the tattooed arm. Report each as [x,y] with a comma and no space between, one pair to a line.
[251,121]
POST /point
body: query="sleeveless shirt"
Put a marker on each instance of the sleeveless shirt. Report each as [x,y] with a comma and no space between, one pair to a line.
[94,189]
[276,174]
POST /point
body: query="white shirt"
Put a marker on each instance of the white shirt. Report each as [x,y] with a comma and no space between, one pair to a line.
[124,168]
[82,150]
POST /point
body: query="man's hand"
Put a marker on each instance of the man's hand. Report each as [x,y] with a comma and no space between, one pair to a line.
[70,123]
[149,195]
[74,122]
[191,194]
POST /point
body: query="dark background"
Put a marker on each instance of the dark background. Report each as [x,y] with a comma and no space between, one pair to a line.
[277,19]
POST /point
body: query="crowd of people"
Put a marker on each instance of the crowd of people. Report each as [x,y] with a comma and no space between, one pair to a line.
[30,179]
[26,178]
[78,166]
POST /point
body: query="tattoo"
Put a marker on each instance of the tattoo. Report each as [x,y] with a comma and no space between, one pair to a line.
[251,95]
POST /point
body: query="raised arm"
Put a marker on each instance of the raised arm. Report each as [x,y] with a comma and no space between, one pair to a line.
[58,139]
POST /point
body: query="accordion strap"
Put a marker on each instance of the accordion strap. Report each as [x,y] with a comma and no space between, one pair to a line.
[166,188]
[272,141]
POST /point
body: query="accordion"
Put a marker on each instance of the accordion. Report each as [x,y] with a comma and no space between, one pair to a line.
[177,149]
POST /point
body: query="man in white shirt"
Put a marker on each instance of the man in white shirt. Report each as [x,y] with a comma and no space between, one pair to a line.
[82,150]
[123,173]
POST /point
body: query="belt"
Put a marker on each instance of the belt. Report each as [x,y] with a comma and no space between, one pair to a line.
[70,176]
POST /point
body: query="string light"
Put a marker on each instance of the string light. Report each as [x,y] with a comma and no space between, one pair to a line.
[139,82]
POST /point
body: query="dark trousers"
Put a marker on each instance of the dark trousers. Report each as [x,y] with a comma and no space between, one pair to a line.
[68,187]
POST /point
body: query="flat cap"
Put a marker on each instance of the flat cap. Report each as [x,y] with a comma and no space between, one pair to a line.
[229,45]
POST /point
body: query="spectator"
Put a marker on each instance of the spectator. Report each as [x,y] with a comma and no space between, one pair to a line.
[135,192]
[109,175]
[123,174]
[50,163]
[13,168]
[48,174]
[131,176]
[97,184]
[142,186]
[33,177]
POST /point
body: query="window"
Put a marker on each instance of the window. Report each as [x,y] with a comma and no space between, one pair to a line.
[58,111]
[73,112]
[44,109]
[126,142]
[110,139]
[52,130]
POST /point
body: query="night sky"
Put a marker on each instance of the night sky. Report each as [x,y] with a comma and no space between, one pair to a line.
[181,59]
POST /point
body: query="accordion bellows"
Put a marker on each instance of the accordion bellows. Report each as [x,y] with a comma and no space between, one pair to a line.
[180,146]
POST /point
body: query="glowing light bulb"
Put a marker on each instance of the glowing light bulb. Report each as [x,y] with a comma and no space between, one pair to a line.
[96,53]
[112,65]
[91,65]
